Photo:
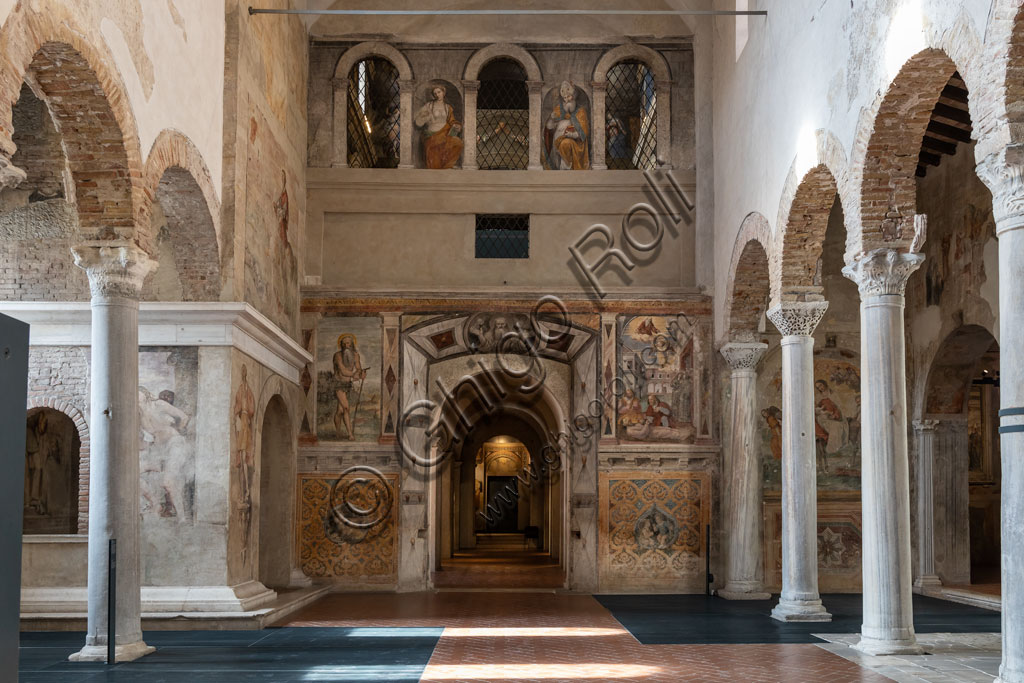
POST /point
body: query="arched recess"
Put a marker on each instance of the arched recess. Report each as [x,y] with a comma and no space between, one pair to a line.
[487,54]
[887,181]
[349,59]
[804,222]
[185,225]
[52,472]
[960,407]
[82,427]
[275,458]
[751,282]
[92,113]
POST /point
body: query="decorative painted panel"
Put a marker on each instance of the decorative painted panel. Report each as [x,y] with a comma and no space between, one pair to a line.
[839,545]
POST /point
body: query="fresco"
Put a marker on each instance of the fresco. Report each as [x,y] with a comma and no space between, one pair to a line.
[168,393]
[348,365]
[567,133]
[656,362]
[243,413]
[439,121]
[839,545]
[652,528]
[836,423]
[51,473]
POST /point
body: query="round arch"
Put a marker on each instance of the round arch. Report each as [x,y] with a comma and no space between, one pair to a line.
[374,48]
[491,52]
[654,61]
[803,222]
[751,279]
[82,425]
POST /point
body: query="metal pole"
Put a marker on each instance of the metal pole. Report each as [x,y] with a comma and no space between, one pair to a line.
[510,12]
[707,560]
[111,601]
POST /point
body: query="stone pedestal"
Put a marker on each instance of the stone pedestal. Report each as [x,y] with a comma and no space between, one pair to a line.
[888,626]
[743,472]
[116,272]
[926,576]
[1003,172]
[799,600]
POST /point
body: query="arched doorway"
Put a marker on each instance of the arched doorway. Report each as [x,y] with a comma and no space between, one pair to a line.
[52,448]
[275,506]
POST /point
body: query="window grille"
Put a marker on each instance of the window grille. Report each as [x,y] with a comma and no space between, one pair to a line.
[631,126]
[502,235]
[374,113]
[502,116]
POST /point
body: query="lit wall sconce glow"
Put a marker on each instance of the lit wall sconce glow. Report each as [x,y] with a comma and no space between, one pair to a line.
[906,37]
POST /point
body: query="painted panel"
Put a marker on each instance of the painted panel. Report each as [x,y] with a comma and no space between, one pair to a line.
[348,365]
[839,545]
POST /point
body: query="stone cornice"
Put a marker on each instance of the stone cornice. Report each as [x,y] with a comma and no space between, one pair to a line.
[883,272]
[797,318]
[743,355]
[232,324]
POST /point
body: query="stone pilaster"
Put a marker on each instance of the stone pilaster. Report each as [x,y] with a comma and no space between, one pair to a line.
[599,142]
[1003,173]
[926,577]
[612,389]
[389,377]
[744,574]
[888,626]
[799,600]
[469,91]
[663,89]
[116,272]
[405,90]
[339,139]
[534,89]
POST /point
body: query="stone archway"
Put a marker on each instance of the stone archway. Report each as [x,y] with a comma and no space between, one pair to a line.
[276,457]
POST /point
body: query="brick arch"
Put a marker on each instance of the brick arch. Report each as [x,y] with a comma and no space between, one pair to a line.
[751,278]
[177,177]
[90,107]
[804,219]
[374,48]
[887,148]
[82,425]
[502,50]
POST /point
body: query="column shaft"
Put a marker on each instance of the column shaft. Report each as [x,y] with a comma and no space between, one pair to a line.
[470,89]
[926,576]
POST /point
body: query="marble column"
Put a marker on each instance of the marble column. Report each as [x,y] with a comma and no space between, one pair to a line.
[405,91]
[469,91]
[116,271]
[534,89]
[888,625]
[926,576]
[743,466]
[598,142]
[799,600]
[1003,173]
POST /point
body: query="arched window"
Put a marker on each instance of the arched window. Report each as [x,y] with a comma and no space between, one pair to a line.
[631,117]
[374,114]
[52,450]
[503,116]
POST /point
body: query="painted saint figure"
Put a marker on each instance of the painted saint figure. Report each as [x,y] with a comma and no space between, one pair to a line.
[164,427]
[773,418]
[442,145]
[658,413]
[244,412]
[41,446]
[348,369]
[829,426]
[567,134]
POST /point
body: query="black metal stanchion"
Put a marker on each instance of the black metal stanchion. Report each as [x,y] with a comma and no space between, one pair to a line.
[708,578]
[111,601]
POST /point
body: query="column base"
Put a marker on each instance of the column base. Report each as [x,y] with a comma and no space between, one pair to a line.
[298,579]
[877,646]
[743,595]
[930,581]
[800,610]
[122,653]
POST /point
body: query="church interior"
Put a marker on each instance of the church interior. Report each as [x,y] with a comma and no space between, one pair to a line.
[345,340]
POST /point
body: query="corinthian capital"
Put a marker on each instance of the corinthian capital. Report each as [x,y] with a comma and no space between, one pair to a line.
[743,355]
[1003,174]
[115,269]
[883,271]
[797,318]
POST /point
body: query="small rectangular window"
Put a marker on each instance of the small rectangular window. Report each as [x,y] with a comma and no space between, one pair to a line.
[502,235]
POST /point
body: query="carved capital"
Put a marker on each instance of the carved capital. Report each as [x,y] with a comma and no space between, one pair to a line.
[797,318]
[883,271]
[599,86]
[922,426]
[406,86]
[534,87]
[743,355]
[1003,174]
[10,175]
[115,269]
[470,87]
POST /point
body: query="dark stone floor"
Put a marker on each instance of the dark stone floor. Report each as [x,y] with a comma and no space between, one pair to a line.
[698,619]
[281,655]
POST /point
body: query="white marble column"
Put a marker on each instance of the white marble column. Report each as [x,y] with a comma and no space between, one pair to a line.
[469,91]
[926,576]
[888,625]
[405,90]
[599,143]
[1003,173]
[116,271]
[799,600]
[534,88]
[743,581]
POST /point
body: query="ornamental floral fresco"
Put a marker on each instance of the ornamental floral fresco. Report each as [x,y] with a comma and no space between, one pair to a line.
[331,549]
[839,545]
[652,530]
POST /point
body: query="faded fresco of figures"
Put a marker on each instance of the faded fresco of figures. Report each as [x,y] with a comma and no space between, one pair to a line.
[441,129]
[511,333]
[51,474]
[167,404]
[836,423]
[657,366]
[243,410]
[348,362]
[567,130]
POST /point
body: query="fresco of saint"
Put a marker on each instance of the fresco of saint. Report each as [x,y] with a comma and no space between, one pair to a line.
[567,133]
[442,145]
